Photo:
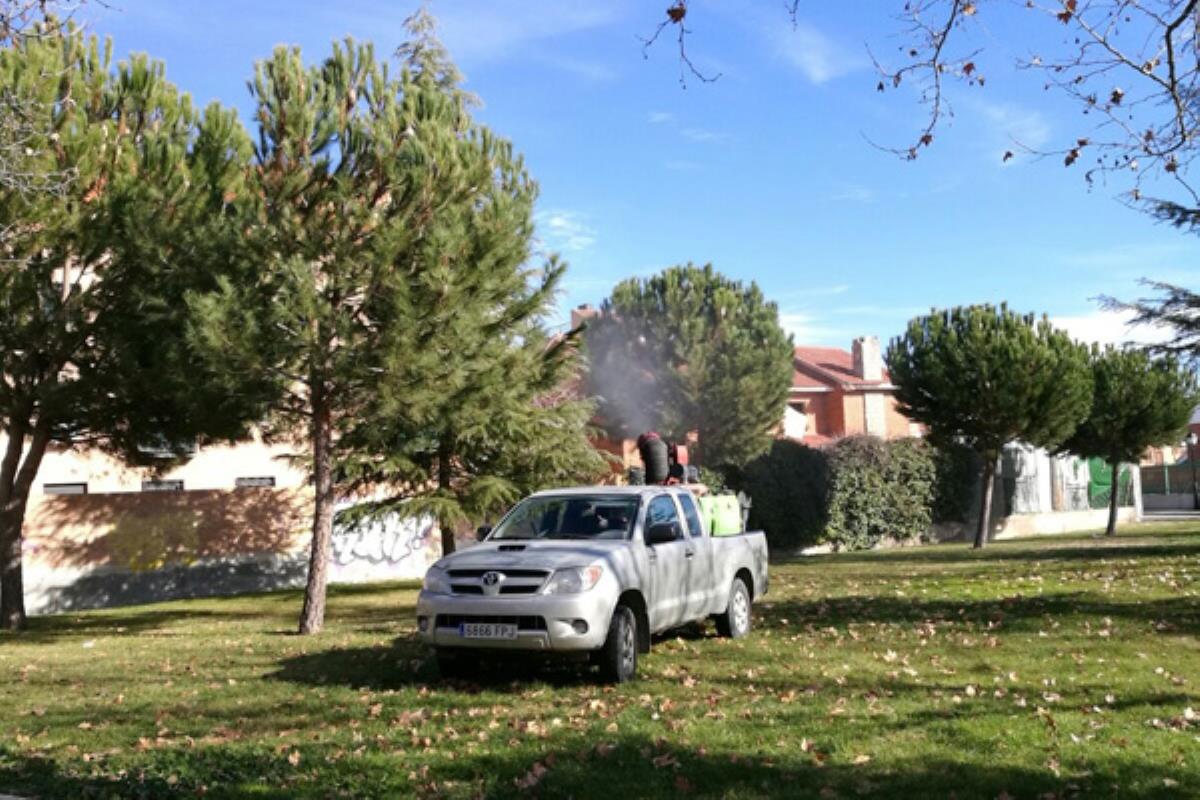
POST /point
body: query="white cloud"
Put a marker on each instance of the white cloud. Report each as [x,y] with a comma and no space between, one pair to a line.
[855,193]
[818,57]
[497,29]
[1109,327]
[705,136]
[811,330]
[811,291]
[692,133]
[589,71]
[1012,127]
[564,230]
[1136,259]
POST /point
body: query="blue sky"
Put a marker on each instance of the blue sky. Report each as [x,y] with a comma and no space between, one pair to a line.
[766,172]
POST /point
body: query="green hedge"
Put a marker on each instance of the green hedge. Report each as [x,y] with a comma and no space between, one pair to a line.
[852,495]
[787,487]
[878,490]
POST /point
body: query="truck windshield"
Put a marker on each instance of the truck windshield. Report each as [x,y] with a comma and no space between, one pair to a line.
[574,517]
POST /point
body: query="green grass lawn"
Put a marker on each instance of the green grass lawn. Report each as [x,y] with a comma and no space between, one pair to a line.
[1046,669]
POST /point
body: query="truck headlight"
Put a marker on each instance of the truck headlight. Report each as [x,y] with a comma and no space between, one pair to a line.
[437,581]
[573,580]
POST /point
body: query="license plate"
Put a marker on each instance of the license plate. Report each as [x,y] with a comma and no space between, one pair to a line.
[487,630]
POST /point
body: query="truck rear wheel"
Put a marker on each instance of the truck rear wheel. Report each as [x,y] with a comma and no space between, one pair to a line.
[734,621]
[618,657]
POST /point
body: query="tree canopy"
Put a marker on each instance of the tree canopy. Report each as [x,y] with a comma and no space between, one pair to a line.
[986,376]
[1138,402]
[93,274]
[472,407]
[394,310]
[690,350]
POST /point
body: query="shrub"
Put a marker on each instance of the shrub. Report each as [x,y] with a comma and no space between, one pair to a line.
[852,495]
[788,486]
[858,493]
[912,481]
[879,490]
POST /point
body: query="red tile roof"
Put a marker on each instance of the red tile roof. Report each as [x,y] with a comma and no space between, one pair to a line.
[816,367]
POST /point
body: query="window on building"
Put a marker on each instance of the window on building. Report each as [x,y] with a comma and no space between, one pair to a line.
[65,488]
[162,486]
[265,482]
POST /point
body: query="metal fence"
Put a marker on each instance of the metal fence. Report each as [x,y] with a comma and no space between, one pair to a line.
[1167,479]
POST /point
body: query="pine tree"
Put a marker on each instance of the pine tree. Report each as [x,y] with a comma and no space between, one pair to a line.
[986,376]
[473,406]
[93,273]
[351,167]
[691,350]
[1176,310]
[1139,402]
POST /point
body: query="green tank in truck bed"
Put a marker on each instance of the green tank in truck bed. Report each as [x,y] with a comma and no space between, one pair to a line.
[723,514]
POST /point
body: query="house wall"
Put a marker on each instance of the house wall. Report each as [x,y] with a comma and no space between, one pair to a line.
[854,414]
[213,467]
[108,549]
[896,424]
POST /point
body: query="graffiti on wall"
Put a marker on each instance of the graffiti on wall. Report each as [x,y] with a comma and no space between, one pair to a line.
[389,547]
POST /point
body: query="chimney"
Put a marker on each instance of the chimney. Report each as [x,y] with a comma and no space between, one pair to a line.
[582,314]
[868,360]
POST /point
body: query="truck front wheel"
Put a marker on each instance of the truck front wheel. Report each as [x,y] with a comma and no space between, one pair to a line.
[734,621]
[618,657]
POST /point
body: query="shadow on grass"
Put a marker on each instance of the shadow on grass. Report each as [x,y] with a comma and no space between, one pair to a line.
[1042,549]
[41,630]
[1171,616]
[628,765]
[408,662]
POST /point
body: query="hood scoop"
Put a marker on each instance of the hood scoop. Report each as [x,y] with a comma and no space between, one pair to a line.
[511,548]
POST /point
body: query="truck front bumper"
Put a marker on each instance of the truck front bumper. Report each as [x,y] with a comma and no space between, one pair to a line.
[551,623]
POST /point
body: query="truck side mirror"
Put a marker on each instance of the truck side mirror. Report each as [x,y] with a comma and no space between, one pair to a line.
[482,532]
[661,533]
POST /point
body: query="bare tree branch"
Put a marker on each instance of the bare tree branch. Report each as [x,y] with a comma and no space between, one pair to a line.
[676,15]
[1131,67]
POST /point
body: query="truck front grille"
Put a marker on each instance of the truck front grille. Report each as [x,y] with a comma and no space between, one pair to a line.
[523,623]
[519,582]
[507,572]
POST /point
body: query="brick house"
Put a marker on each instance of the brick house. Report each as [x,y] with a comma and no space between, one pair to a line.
[839,393]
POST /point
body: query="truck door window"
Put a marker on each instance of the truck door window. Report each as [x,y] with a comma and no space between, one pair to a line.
[695,527]
[662,509]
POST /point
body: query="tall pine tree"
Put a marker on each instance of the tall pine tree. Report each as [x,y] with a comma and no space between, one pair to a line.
[472,407]
[691,350]
[986,376]
[93,274]
[1139,402]
[351,167]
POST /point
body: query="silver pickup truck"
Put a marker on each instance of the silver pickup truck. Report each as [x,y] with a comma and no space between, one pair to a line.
[590,571]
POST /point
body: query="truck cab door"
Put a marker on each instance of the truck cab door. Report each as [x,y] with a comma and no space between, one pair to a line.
[668,564]
[701,577]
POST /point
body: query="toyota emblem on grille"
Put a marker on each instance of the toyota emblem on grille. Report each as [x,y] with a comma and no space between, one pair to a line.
[491,578]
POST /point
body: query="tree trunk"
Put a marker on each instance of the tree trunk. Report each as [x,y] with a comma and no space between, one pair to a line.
[445,454]
[1112,501]
[15,497]
[312,616]
[985,510]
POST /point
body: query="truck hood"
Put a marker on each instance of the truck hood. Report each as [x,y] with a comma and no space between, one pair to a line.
[526,554]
